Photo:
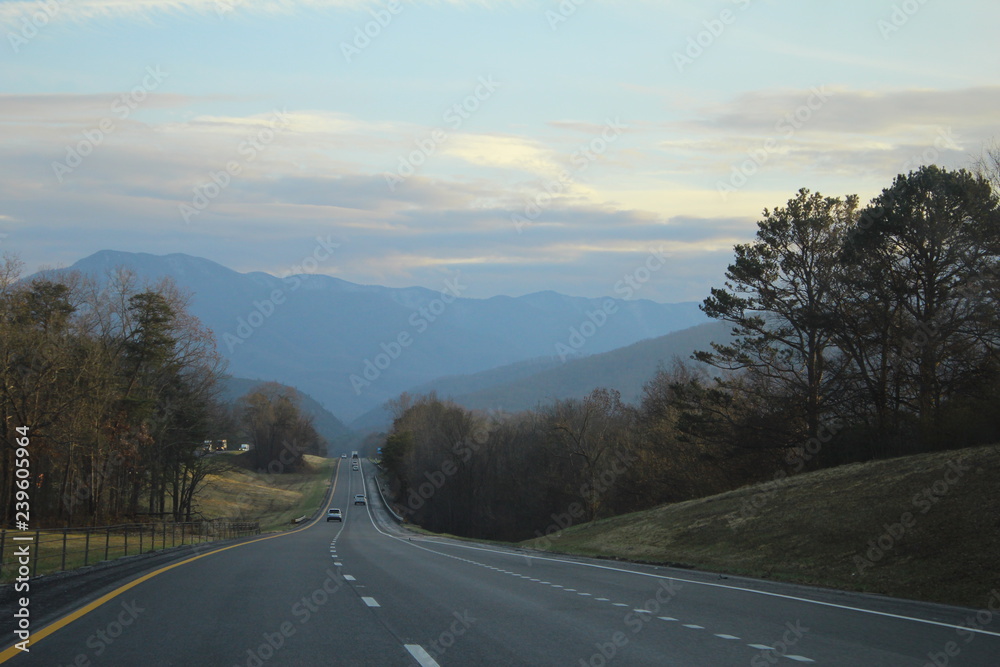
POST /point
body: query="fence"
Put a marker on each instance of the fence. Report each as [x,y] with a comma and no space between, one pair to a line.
[69,548]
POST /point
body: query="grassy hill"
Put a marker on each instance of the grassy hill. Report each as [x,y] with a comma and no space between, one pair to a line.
[241,493]
[923,527]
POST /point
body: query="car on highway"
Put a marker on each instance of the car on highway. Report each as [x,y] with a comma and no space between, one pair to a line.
[343,456]
[359,499]
[333,514]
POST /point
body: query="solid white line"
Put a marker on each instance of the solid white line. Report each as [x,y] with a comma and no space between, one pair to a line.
[885,614]
[421,656]
[371,602]
[693,582]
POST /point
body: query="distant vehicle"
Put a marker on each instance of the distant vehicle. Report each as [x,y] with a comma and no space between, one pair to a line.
[359,499]
[334,515]
[244,447]
[343,456]
[354,455]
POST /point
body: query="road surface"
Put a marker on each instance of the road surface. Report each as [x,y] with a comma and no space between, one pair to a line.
[365,592]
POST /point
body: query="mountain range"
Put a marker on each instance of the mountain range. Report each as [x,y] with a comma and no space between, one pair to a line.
[352,347]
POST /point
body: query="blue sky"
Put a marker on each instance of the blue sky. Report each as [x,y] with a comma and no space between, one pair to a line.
[527,145]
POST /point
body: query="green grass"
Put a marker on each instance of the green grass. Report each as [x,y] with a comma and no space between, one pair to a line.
[817,528]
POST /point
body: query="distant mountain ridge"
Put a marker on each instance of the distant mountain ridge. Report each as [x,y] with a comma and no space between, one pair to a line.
[528,384]
[353,347]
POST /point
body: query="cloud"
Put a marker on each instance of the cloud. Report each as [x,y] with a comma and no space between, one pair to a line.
[80,11]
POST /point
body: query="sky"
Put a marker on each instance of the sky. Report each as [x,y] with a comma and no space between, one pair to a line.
[524,145]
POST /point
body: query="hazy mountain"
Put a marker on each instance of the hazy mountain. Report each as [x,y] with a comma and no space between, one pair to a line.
[352,347]
[525,385]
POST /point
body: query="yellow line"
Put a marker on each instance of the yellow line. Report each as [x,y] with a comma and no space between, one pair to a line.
[12,650]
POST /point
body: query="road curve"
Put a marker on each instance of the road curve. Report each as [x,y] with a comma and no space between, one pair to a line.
[365,592]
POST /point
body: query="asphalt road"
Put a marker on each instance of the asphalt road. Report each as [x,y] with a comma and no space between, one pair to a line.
[364,592]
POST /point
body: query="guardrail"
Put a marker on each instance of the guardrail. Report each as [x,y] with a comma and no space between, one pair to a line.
[60,549]
[384,502]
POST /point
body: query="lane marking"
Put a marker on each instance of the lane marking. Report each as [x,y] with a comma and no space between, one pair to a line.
[420,655]
[693,626]
[642,611]
[874,612]
[727,637]
[620,604]
[666,618]
[349,577]
[60,623]
[761,647]
[799,658]
[371,602]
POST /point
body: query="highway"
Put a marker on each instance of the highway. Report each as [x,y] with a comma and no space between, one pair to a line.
[366,592]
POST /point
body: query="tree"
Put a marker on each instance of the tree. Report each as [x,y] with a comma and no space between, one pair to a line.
[930,246]
[778,295]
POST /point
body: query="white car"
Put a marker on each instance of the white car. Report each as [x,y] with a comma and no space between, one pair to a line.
[334,515]
[359,499]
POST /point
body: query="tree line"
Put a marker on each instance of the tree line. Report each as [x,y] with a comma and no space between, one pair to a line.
[858,333]
[118,385]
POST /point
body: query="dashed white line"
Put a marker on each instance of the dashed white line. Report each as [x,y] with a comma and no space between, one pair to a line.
[693,626]
[584,594]
[620,604]
[642,611]
[349,577]
[726,637]
[371,602]
[420,655]
[762,647]
[666,618]
[602,599]
[799,658]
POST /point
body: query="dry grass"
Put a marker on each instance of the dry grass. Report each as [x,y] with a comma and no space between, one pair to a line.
[824,528]
[274,500]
